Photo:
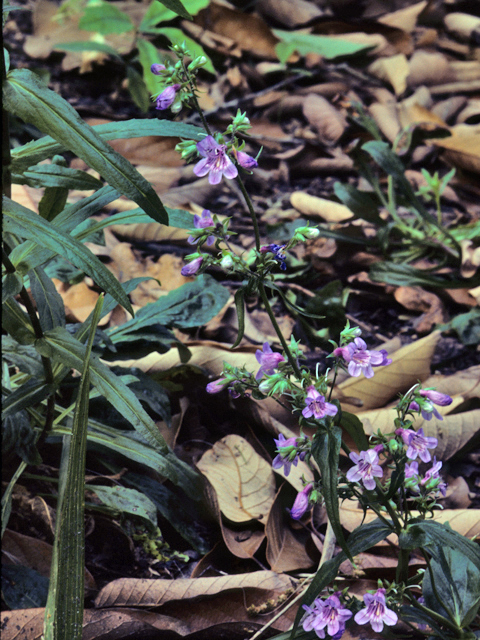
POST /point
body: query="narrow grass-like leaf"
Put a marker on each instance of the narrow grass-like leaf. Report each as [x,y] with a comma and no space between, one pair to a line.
[363,538]
[177,7]
[50,306]
[51,175]
[88,45]
[12,284]
[25,95]
[64,610]
[64,348]
[240,307]
[17,323]
[27,395]
[26,224]
[30,254]
[38,150]
[7,496]
[326,452]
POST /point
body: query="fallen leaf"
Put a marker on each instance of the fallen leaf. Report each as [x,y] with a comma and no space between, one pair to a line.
[243,480]
[462,25]
[427,67]
[405,18]
[462,148]
[417,299]
[320,207]
[325,118]
[394,70]
[291,14]
[79,301]
[285,551]
[142,592]
[458,494]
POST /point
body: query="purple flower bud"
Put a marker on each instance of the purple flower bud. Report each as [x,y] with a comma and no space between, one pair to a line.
[246,161]
[300,505]
[268,360]
[436,397]
[217,385]
[166,98]
[192,267]
[157,69]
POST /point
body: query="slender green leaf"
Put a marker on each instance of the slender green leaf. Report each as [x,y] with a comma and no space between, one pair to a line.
[7,496]
[440,534]
[50,307]
[25,357]
[26,96]
[177,7]
[361,203]
[158,12]
[326,46]
[105,18]
[31,254]
[88,45]
[12,284]
[126,501]
[138,89]
[326,452]
[64,348]
[64,610]
[52,175]
[17,323]
[27,395]
[361,539]
[240,307]
[403,275]
[38,150]
[54,199]
[354,427]
[148,54]
[26,224]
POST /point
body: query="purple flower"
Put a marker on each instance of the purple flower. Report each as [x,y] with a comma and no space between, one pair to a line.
[432,480]
[278,253]
[436,397]
[317,406]
[300,505]
[328,613]
[217,385]
[167,97]
[417,443]
[192,267]
[268,359]
[376,612]
[287,453]
[411,476]
[157,69]
[366,468]
[426,402]
[245,161]
[202,222]
[215,161]
[360,359]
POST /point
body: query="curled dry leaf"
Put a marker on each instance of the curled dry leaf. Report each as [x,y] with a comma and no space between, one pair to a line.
[322,115]
[243,480]
[320,207]
[429,68]
[139,592]
[430,305]
[462,25]
[291,14]
[462,149]
[285,551]
[409,364]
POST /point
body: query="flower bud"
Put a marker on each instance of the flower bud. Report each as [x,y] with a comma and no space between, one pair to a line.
[192,267]
[157,69]
[227,261]
[196,63]
[167,97]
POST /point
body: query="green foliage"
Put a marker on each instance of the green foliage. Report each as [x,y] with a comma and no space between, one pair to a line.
[306,43]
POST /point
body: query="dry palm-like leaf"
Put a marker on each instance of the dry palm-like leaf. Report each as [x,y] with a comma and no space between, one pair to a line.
[243,480]
[153,593]
[285,551]
[410,364]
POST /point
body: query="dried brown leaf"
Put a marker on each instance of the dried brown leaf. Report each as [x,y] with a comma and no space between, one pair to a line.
[320,207]
[462,149]
[291,14]
[405,18]
[141,592]
[243,480]
[394,70]
[325,118]
[462,25]
[285,552]
[430,305]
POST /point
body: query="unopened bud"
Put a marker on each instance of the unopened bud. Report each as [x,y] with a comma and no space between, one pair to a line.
[201,61]
[227,261]
[157,69]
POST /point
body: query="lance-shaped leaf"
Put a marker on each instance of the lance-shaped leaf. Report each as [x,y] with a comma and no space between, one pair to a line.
[64,348]
[25,95]
[26,224]
[326,452]
[37,150]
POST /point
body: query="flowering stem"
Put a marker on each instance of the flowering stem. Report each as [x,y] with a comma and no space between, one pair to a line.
[273,320]
[253,215]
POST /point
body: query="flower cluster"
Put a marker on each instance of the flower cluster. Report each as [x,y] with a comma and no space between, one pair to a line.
[278,253]
[328,614]
[431,481]
[204,221]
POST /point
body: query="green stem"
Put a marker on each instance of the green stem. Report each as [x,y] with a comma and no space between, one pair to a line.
[273,320]
[251,210]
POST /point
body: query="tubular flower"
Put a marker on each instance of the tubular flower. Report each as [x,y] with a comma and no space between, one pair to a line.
[214,161]
[192,267]
[278,254]
[300,505]
[411,476]
[157,69]
[317,406]
[167,97]
[417,443]
[202,222]
[376,612]
[268,359]
[360,359]
[429,397]
[245,161]
[326,613]
[366,468]
[217,385]
[287,453]
[432,481]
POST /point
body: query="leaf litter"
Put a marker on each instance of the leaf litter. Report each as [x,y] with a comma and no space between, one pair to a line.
[414,77]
